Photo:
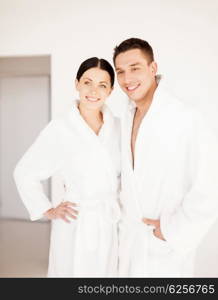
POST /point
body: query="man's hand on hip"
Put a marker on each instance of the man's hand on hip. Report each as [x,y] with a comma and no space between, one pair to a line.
[156,224]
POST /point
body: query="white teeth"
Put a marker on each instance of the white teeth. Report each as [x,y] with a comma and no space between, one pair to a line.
[131,88]
[92,99]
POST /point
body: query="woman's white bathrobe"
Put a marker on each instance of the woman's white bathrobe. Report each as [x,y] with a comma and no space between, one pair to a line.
[90,167]
[175,179]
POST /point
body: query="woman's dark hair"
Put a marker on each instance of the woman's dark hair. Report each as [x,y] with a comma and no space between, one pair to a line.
[95,62]
[134,43]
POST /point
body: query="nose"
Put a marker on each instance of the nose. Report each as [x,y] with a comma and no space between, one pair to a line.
[93,90]
[127,78]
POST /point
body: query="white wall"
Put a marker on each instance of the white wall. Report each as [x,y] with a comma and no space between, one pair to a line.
[182,33]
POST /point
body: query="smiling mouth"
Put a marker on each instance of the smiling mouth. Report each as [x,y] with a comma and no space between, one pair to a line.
[92,99]
[132,88]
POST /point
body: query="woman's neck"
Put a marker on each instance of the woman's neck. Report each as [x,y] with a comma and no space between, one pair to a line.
[90,114]
[93,118]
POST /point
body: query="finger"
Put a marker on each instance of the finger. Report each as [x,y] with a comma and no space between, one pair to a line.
[70,215]
[71,210]
[147,221]
[63,217]
[157,232]
[151,222]
[63,209]
[68,212]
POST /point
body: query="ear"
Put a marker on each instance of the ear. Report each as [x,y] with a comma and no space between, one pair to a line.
[77,84]
[154,67]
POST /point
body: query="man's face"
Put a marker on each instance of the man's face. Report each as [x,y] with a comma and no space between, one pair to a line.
[134,74]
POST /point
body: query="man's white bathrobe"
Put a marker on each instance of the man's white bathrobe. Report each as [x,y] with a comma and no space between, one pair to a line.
[90,167]
[175,179]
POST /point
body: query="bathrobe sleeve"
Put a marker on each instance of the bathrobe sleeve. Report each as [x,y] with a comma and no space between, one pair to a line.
[189,223]
[40,162]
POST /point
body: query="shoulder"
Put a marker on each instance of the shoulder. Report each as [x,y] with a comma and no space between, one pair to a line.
[177,109]
[108,113]
[187,117]
[66,123]
[54,125]
[54,130]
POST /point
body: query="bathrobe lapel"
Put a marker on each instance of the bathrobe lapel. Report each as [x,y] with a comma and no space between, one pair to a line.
[98,142]
[144,145]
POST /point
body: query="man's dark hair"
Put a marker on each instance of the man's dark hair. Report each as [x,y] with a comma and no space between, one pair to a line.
[134,43]
[95,62]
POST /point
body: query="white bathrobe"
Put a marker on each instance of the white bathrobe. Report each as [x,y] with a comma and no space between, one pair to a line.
[175,179]
[90,167]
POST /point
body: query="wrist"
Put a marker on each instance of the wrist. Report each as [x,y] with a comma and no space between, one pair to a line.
[48,212]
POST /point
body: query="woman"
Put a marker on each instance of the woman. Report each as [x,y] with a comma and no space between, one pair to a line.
[84,148]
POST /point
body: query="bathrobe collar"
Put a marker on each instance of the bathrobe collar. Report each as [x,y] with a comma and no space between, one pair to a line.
[158,91]
[99,141]
[156,104]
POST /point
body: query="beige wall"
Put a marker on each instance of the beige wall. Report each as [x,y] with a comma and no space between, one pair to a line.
[182,33]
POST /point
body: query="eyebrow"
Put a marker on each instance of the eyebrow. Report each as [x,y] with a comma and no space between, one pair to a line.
[87,78]
[92,80]
[132,65]
[135,64]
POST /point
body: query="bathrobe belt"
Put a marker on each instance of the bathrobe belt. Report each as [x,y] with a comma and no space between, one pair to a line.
[96,214]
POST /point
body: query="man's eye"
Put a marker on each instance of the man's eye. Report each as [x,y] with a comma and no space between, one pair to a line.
[134,69]
[86,82]
[119,72]
[103,86]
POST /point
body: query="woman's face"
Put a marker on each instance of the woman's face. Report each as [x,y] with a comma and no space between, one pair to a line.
[94,87]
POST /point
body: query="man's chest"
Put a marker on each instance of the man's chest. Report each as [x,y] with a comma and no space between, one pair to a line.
[135,129]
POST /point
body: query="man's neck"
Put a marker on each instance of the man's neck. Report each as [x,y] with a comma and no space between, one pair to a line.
[143,105]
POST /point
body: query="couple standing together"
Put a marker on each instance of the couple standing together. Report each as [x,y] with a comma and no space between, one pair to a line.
[147,222]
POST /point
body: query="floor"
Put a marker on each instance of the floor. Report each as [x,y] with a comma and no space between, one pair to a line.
[24,247]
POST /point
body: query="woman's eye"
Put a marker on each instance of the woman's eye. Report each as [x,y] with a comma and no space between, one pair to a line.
[103,86]
[120,72]
[134,69]
[86,82]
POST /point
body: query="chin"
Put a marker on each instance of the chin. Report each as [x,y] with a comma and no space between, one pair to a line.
[139,97]
[94,105]
[136,99]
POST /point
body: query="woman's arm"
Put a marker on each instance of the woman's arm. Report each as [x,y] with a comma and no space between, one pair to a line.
[39,163]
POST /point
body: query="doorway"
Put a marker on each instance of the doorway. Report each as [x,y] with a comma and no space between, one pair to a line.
[25,109]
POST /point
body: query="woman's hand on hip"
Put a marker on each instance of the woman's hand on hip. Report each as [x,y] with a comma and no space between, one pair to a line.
[62,211]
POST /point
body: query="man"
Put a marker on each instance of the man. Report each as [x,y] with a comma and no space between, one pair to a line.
[169,172]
